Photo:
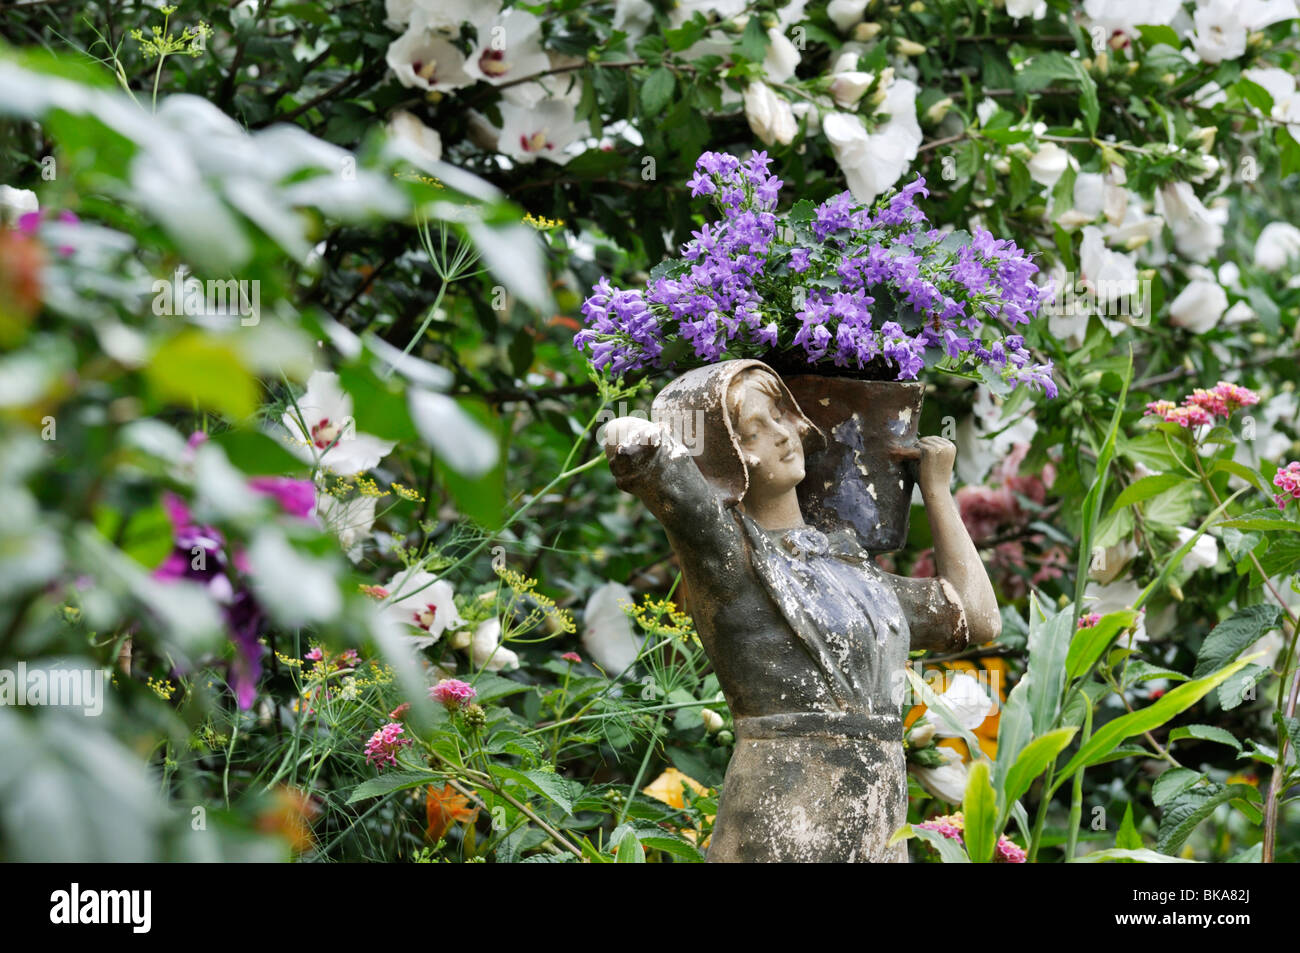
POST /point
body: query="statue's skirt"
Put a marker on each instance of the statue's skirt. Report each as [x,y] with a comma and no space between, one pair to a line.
[813,787]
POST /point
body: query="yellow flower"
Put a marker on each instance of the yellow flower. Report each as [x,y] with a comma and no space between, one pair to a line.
[668,788]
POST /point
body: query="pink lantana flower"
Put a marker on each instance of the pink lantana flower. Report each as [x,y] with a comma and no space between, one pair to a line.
[453,694]
[1288,480]
[951,826]
[384,744]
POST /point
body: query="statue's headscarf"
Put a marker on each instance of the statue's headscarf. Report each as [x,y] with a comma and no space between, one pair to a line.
[694,407]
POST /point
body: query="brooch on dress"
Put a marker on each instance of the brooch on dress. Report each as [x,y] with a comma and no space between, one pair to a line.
[806,541]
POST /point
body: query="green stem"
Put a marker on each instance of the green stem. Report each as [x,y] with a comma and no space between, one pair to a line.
[1076,794]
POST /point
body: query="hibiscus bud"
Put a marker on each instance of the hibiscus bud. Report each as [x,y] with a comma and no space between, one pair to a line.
[1086,62]
[1169,79]
[865,32]
[1103,63]
[461,639]
[939,109]
[1205,135]
[917,7]
[1132,67]
[906,47]
[848,87]
[1002,165]
[725,737]
[1176,591]
[921,735]
[712,720]
[737,24]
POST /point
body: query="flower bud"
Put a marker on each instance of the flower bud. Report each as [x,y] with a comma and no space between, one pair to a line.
[461,639]
[1103,62]
[713,722]
[1205,135]
[939,109]
[865,32]
[476,717]
[725,737]
[921,735]
[906,47]
[1176,591]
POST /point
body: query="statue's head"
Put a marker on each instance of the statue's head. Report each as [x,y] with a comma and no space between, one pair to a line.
[770,431]
[749,431]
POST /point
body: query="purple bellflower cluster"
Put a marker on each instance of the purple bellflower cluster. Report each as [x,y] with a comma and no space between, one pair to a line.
[867,289]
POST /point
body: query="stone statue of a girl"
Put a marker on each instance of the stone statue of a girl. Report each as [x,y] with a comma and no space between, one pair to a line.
[807,635]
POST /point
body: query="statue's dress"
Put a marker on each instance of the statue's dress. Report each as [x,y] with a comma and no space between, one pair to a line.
[809,639]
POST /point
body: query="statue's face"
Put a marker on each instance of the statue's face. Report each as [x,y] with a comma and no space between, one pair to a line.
[769,442]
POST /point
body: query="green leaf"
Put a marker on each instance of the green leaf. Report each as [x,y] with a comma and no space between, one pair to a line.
[200,371]
[1128,837]
[1146,488]
[1120,856]
[1088,644]
[256,453]
[682,849]
[1014,731]
[979,808]
[1205,733]
[1234,635]
[1049,644]
[390,782]
[1185,813]
[950,852]
[1033,761]
[1240,545]
[1250,475]
[559,791]
[1173,783]
[1155,34]
[754,41]
[1144,719]
[1241,686]
[802,211]
[657,91]
[1263,520]
[629,848]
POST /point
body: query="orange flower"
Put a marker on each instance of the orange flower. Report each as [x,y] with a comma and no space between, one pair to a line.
[668,789]
[444,808]
[289,815]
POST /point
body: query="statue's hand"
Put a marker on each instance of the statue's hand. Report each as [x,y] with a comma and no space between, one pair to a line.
[937,458]
[630,435]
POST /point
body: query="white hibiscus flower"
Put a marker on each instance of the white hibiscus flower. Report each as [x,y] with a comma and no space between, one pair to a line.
[872,162]
[424,603]
[543,131]
[424,59]
[509,47]
[325,434]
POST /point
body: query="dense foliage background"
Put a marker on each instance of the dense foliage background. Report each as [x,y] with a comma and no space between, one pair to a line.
[415,198]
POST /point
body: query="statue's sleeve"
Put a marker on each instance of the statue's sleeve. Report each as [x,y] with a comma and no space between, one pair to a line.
[665,478]
[934,612]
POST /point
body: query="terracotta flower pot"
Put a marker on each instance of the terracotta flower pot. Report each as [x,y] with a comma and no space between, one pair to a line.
[864,478]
